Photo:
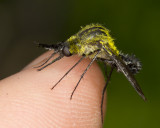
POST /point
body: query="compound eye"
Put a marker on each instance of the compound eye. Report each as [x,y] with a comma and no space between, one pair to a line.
[66,51]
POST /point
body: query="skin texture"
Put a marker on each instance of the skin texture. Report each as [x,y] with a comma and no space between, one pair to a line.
[26,100]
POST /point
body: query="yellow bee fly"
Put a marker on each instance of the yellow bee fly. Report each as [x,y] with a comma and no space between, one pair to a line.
[95,42]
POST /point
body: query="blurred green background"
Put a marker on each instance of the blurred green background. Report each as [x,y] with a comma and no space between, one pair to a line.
[135,25]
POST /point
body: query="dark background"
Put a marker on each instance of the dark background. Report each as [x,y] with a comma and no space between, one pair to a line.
[135,25]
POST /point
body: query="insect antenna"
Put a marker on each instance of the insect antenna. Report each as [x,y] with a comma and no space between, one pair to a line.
[58,58]
[68,72]
[47,46]
[52,55]
[104,89]
[84,73]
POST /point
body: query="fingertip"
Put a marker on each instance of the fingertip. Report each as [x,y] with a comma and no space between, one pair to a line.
[54,107]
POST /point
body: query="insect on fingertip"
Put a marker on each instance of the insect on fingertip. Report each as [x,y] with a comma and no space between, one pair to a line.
[95,42]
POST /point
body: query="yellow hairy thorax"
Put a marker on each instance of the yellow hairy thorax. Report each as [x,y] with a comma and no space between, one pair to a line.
[91,38]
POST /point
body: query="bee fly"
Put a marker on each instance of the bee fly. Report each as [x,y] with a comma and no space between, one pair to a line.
[95,42]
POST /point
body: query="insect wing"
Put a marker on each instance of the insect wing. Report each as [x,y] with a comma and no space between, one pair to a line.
[124,69]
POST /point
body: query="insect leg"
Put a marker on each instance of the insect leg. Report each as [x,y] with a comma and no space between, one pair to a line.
[105,69]
[104,89]
[52,55]
[68,71]
[58,58]
[84,73]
